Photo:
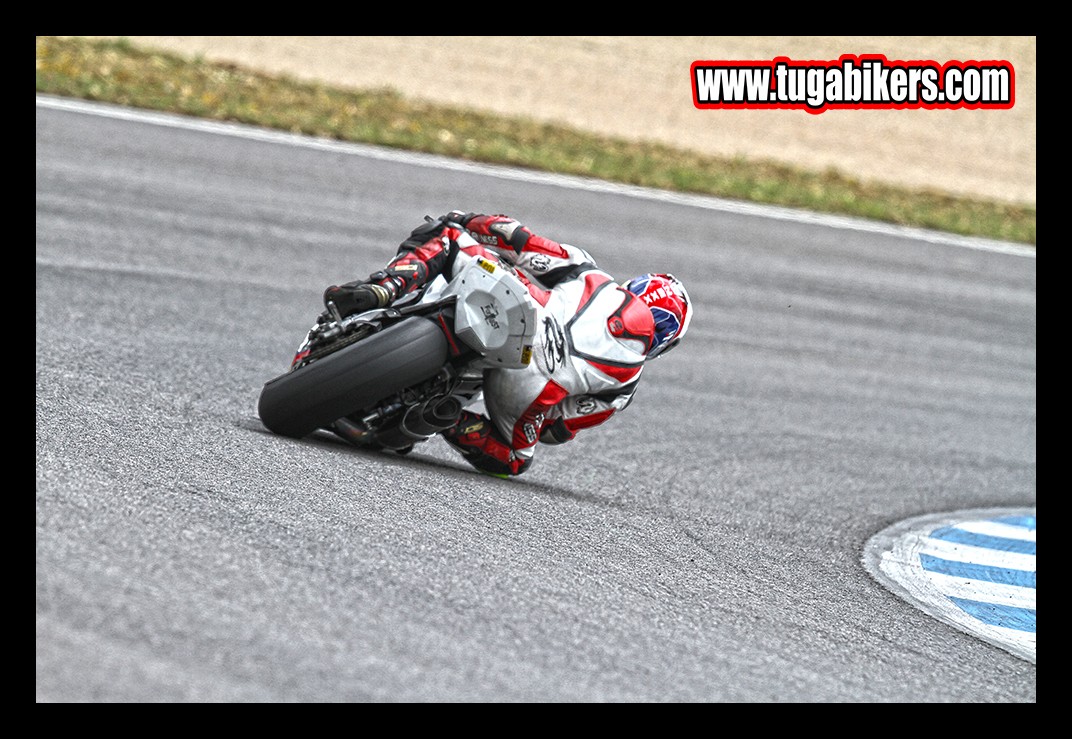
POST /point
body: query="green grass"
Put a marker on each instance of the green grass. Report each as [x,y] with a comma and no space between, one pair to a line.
[117,72]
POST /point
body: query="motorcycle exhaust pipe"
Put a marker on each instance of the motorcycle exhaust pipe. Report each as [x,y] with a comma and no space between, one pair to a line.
[433,416]
[421,422]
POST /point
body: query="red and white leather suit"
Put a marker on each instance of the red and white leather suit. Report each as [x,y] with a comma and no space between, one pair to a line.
[590,346]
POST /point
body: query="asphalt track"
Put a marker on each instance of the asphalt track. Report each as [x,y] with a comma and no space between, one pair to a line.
[705,545]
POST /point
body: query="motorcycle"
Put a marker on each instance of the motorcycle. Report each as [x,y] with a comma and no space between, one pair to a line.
[393,377]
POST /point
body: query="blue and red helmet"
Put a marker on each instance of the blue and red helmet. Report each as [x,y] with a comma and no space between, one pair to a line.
[670,306]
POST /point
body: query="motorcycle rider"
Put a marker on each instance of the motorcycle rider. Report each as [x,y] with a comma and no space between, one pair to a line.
[593,339]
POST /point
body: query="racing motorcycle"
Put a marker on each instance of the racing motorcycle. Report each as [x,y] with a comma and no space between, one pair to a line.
[393,377]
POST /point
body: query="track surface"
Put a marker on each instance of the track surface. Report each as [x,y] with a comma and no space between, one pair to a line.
[703,546]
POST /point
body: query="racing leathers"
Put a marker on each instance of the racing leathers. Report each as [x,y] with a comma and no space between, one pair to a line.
[589,350]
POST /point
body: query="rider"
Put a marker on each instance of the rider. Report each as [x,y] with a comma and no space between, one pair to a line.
[593,339]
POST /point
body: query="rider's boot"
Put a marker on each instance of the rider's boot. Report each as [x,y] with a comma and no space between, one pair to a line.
[358,297]
[476,438]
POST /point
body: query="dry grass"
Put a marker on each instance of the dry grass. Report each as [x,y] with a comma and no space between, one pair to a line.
[117,72]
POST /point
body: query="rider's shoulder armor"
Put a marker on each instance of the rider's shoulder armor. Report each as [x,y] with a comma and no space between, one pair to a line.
[611,329]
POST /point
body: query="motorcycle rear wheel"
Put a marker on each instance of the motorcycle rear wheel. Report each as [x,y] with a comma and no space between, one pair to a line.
[354,378]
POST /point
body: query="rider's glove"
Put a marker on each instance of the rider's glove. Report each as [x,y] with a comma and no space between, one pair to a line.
[556,433]
[357,297]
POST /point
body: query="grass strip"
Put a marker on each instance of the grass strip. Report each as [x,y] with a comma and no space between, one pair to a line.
[118,72]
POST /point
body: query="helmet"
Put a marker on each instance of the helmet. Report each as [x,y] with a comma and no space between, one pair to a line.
[670,306]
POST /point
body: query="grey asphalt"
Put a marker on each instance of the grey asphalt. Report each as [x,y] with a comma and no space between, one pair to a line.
[703,546]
